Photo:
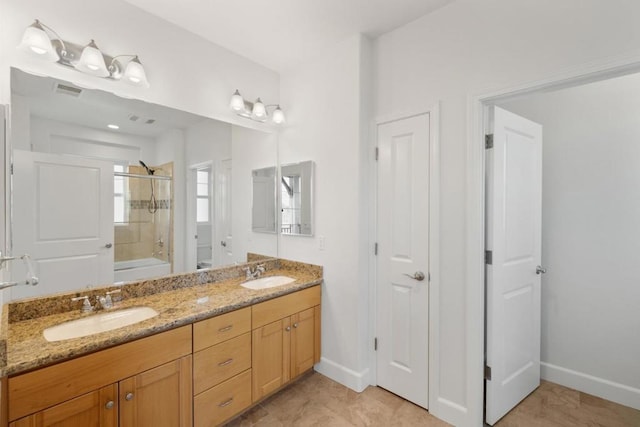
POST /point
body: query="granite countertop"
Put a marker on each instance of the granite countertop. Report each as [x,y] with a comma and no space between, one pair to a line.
[26,347]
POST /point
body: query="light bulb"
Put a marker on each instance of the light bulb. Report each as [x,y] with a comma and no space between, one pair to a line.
[36,41]
[134,73]
[237,102]
[259,111]
[278,116]
[92,62]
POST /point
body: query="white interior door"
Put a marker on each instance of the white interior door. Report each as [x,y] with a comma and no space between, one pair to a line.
[224,223]
[514,211]
[403,254]
[63,218]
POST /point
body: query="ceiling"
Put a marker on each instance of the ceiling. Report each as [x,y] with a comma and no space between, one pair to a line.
[278,34]
[97,109]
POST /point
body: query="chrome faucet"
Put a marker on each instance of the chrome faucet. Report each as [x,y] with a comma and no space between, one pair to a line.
[106,301]
[86,305]
[257,272]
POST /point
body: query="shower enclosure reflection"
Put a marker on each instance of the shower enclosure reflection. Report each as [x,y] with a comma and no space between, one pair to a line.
[143,217]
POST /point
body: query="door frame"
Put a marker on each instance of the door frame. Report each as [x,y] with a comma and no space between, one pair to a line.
[192,226]
[434,238]
[477,124]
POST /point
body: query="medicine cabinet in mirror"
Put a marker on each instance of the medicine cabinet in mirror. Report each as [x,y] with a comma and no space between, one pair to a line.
[296,199]
[107,189]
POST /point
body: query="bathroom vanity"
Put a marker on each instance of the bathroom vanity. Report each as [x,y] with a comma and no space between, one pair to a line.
[214,350]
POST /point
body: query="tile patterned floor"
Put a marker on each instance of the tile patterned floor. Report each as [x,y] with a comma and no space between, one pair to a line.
[552,405]
[316,400]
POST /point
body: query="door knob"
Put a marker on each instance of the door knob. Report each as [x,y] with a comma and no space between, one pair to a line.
[418,275]
[108,245]
[223,243]
[128,396]
[109,405]
[540,270]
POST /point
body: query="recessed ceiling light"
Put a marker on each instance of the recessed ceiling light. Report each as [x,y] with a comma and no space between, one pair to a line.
[113,126]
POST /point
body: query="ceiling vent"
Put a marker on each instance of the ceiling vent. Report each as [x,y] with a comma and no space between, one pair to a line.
[135,118]
[67,90]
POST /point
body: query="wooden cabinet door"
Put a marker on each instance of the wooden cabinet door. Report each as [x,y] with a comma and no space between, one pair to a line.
[98,408]
[159,397]
[302,342]
[271,357]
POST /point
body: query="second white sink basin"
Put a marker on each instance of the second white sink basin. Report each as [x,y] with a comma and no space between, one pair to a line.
[267,282]
[102,322]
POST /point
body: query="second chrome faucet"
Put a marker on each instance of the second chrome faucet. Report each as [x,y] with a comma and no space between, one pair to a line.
[255,273]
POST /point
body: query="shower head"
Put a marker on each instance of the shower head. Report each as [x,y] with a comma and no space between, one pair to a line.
[149,170]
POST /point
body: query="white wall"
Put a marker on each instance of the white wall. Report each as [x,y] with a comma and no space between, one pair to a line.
[327,122]
[250,150]
[590,235]
[469,48]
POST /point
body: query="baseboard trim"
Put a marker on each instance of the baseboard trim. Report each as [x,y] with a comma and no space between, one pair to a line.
[356,381]
[615,392]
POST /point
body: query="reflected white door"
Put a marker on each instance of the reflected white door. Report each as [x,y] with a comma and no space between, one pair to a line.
[62,217]
[224,225]
[403,254]
[514,212]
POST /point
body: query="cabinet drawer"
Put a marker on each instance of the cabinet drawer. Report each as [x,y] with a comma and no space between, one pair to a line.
[221,328]
[277,308]
[220,362]
[223,401]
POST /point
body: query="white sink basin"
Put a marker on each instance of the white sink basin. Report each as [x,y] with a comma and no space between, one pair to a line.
[102,322]
[267,282]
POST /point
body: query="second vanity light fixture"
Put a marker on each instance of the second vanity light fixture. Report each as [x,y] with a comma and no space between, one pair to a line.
[257,110]
[87,59]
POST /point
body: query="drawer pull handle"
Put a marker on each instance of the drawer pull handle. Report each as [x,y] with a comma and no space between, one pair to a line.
[225,363]
[225,329]
[110,404]
[288,328]
[227,403]
[128,396]
[295,325]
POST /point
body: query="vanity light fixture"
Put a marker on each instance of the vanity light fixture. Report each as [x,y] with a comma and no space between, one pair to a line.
[115,127]
[87,59]
[257,110]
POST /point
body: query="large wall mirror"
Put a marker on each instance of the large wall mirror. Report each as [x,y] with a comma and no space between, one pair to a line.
[107,189]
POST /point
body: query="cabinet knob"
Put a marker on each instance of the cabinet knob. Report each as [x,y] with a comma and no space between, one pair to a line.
[295,325]
[128,396]
[288,328]
[109,404]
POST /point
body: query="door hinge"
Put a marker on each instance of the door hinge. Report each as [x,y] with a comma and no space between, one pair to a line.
[488,141]
[488,257]
[377,153]
[11,168]
[375,344]
[487,372]
[375,249]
